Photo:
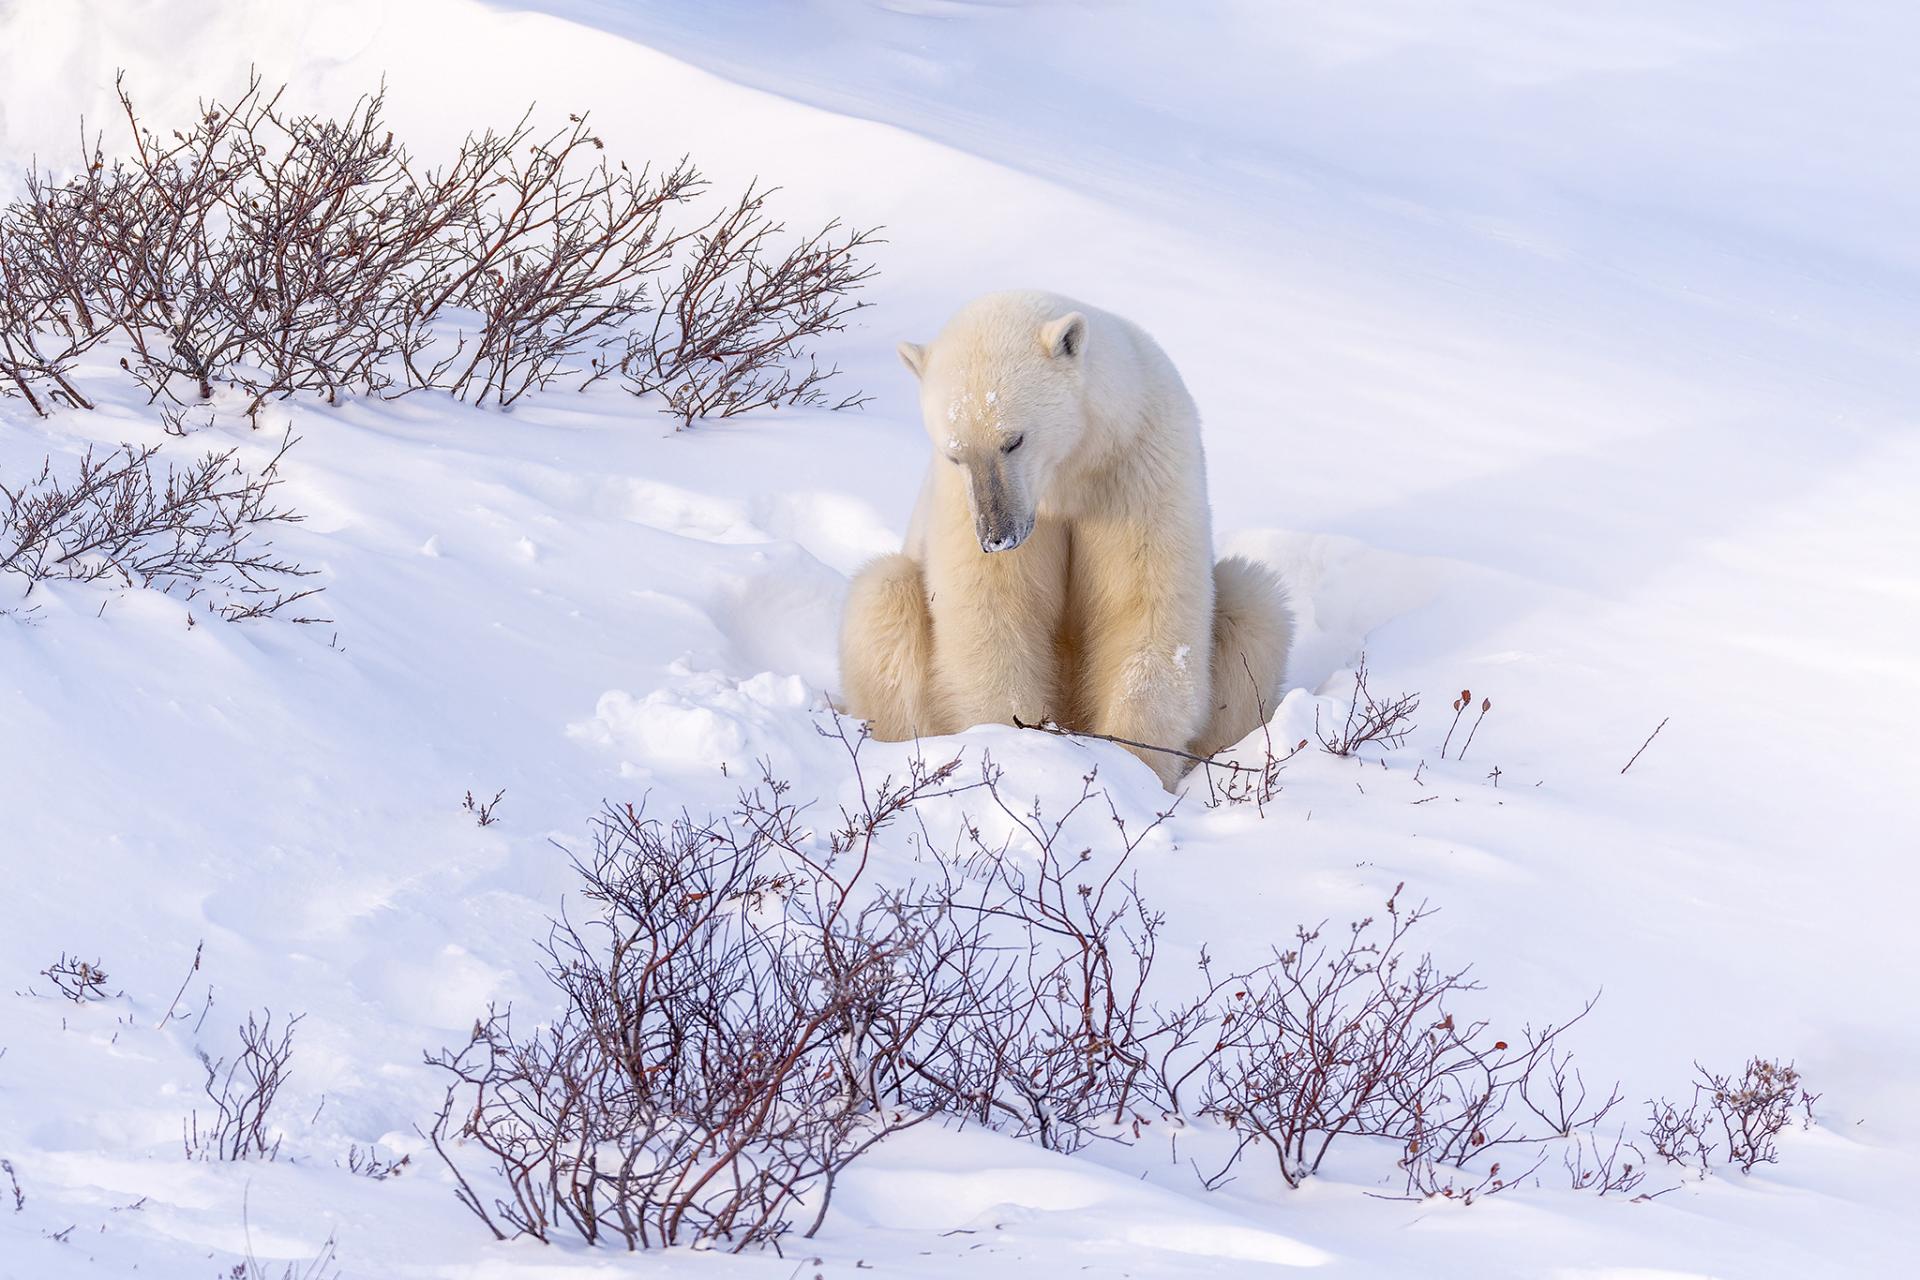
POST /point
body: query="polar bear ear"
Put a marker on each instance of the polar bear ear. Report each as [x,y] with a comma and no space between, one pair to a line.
[914,356]
[1066,336]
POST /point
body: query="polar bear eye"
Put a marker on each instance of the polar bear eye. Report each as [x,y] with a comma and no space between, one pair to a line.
[1014,443]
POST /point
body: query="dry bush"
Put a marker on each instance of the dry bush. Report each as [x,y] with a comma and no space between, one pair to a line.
[1616,1168]
[1754,1107]
[1048,1032]
[45,325]
[482,810]
[556,260]
[1354,1038]
[77,979]
[243,1092]
[367,1162]
[1231,782]
[305,244]
[743,1011]
[120,518]
[710,1067]
[169,236]
[1385,722]
[734,333]
[280,253]
[743,1014]
[1679,1136]
[1750,1111]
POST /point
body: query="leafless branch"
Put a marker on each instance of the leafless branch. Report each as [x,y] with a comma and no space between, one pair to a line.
[1649,742]
[127,518]
[1386,722]
[482,810]
[243,1091]
[77,979]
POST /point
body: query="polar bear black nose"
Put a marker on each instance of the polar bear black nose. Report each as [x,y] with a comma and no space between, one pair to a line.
[1005,538]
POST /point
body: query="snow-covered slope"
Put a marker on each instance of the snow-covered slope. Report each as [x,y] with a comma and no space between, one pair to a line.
[1566,354]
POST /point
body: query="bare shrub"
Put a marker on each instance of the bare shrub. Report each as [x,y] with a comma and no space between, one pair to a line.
[1230,782]
[1385,722]
[281,253]
[743,1012]
[1616,1168]
[367,1162]
[76,979]
[275,252]
[243,1092]
[1354,1038]
[1750,1111]
[1058,1041]
[155,235]
[556,261]
[13,1183]
[45,325]
[710,1066]
[1754,1107]
[272,252]
[733,335]
[482,810]
[336,238]
[121,518]
[1677,1136]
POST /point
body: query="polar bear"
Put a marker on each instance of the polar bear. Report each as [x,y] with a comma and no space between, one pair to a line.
[1059,564]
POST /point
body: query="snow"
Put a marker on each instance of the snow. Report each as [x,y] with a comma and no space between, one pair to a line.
[1563,354]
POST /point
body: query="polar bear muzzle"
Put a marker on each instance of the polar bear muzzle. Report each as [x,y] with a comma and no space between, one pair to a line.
[1002,518]
[1006,540]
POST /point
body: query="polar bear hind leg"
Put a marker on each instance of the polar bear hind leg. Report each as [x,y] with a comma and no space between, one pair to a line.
[1252,633]
[886,650]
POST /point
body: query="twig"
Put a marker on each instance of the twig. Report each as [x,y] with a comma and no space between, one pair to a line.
[1486,705]
[1649,742]
[191,970]
[483,812]
[1459,705]
[1230,765]
[1369,719]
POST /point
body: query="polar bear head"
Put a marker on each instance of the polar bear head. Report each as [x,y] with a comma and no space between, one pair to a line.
[1002,392]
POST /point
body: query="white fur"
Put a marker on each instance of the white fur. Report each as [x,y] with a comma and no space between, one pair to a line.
[1061,553]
